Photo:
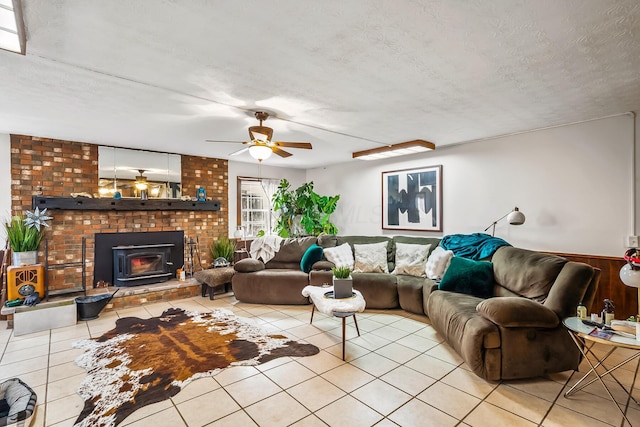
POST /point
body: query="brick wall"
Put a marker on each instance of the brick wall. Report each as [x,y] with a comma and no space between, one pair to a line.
[58,168]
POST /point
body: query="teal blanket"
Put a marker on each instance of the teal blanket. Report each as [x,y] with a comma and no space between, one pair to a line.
[473,246]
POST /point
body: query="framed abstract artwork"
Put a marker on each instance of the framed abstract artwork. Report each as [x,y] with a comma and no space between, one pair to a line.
[412,199]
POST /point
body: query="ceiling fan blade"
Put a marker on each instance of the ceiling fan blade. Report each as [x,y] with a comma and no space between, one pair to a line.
[221,140]
[280,152]
[240,151]
[304,145]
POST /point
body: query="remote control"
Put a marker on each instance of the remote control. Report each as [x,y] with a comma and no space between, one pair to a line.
[597,325]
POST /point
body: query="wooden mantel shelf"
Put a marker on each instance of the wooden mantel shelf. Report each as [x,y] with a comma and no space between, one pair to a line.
[90,204]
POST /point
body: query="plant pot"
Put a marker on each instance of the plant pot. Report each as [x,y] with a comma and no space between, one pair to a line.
[24,258]
[342,288]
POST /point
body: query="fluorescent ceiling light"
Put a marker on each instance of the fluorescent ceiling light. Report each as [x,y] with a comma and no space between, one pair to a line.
[12,34]
[401,149]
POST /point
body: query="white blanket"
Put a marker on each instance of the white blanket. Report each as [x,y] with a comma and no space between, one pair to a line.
[265,247]
[329,305]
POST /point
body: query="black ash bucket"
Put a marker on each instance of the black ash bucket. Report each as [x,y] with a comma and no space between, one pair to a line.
[89,307]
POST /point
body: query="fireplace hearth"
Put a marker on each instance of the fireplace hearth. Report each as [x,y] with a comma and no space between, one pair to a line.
[133,259]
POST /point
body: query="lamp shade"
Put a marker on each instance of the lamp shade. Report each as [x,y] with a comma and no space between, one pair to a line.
[239,233]
[260,152]
[630,272]
[629,276]
[516,217]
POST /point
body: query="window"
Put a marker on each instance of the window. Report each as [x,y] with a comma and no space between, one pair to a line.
[254,205]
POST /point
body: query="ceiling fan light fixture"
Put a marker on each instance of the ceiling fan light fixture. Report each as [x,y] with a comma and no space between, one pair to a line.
[141,181]
[401,149]
[262,137]
[260,152]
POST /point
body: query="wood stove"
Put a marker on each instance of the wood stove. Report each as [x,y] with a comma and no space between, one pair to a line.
[141,264]
[147,257]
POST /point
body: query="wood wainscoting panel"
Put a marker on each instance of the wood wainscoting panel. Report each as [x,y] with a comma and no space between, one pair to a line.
[624,297]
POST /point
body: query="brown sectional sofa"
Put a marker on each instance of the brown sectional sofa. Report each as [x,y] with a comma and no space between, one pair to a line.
[517,333]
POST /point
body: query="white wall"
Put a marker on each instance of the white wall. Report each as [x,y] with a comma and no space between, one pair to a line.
[5,182]
[295,176]
[574,184]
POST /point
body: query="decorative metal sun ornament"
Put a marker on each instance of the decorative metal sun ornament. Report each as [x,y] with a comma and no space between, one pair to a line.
[37,218]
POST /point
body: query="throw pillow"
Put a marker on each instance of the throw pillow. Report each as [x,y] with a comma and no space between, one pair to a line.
[438,262]
[411,259]
[371,258]
[467,276]
[311,255]
[340,256]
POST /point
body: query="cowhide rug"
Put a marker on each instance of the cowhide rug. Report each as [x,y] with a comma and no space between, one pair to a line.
[144,361]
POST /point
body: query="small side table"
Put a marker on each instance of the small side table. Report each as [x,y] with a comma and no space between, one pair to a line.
[323,300]
[580,334]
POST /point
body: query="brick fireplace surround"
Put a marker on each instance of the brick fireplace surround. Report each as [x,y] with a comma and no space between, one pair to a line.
[49,167]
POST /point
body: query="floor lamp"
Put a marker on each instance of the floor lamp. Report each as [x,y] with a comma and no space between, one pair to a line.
[515,217]
[239,235]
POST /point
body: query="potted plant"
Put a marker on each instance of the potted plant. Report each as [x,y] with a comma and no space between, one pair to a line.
[342,282]
[302,211]
[223,247]
[24,235]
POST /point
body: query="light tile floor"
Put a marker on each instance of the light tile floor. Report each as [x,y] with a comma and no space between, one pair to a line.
[398,372]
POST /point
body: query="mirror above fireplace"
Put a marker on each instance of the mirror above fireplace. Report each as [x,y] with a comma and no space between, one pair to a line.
[120,169]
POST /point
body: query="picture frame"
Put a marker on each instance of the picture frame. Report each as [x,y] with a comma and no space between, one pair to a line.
[412,199]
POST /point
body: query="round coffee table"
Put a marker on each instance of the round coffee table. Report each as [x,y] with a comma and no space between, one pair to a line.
[322,299]
[585,338]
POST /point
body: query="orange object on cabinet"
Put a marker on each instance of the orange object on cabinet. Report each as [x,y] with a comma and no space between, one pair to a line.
[24,280]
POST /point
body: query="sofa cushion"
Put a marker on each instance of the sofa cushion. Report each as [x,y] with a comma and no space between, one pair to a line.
[411,259]
[328,240]
[371,258]
[468,277]
[248,265]
[311,255]
[292,249]
[527,273]
[340,256]
[415,240]
[364,240]
[438,262]
[378,290]
[271,286]
[517,312]
[323,264]
[410,292]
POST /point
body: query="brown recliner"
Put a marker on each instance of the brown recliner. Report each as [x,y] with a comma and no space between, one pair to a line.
[518,333]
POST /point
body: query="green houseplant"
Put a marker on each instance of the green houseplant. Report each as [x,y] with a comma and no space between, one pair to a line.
[223,247]
[24,235]
[342,282]
[341,272]
[303,211]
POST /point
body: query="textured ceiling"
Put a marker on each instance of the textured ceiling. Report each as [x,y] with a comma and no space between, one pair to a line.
[345,76]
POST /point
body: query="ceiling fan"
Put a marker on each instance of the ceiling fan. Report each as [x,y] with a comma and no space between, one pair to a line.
[260,145]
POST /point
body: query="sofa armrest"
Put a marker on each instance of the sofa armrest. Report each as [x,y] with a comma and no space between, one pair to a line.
[248,265]
[517,312]
[322,265]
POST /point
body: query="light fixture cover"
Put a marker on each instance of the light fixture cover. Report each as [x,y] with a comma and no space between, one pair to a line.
[260,152]
[516,217]
[629,276]
[141,181]
[239,233]
[630,272]
[401,149]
